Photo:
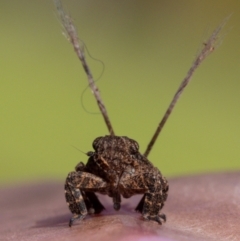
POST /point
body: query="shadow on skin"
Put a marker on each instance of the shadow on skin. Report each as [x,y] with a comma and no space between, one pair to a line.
[55,221]
[127,208]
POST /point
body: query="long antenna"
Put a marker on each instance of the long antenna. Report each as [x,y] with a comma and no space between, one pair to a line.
[72,36]
[207,49]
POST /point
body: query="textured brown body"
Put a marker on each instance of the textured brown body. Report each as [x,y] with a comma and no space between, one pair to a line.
[116,168]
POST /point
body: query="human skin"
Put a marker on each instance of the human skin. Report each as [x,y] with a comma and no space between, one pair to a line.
[201,207]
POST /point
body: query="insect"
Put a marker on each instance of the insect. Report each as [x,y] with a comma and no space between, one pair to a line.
[116,167]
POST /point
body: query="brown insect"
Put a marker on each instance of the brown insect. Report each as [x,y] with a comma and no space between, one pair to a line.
[115,167]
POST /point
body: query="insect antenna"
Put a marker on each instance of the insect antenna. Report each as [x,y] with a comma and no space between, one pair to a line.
[72,36]
[208,47]
[89,153]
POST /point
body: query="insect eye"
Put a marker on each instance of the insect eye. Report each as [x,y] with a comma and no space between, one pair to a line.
[137,146]
[134,147]
[95,143]
[80,167]
[90,153]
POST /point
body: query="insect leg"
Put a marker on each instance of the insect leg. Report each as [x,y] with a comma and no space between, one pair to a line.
[139,207]
[154,187]
[153,200]
[117,201]
[75,203]
[92,202]
[77,186]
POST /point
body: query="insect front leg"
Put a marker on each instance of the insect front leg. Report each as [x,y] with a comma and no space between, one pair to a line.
[154,187]
[153,203]
[154,198]
[78,187]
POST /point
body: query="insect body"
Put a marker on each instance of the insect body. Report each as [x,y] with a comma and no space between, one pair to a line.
[116,168]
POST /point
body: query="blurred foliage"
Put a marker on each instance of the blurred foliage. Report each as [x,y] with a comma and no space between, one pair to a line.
[147,48]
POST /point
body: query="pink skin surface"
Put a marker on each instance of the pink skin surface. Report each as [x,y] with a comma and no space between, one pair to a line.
[204,207]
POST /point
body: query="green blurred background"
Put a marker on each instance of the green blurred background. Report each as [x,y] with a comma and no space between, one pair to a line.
[147,48]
